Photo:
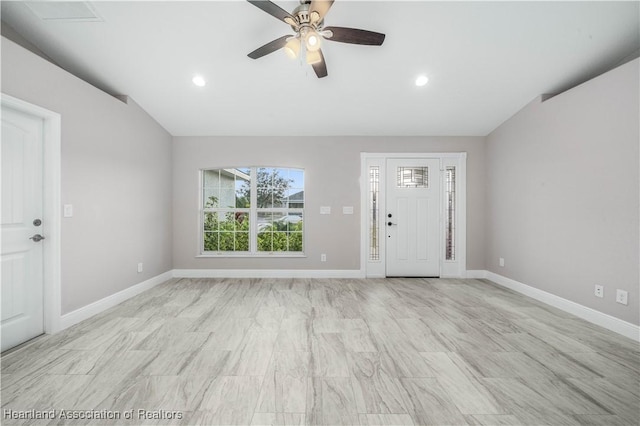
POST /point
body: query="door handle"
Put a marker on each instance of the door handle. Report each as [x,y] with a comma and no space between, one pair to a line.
[37,238]
[390,223]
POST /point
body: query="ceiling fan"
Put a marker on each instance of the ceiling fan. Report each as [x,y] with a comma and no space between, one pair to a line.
[307,21]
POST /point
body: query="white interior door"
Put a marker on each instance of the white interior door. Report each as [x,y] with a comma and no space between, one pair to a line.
[412,217]
[22,208]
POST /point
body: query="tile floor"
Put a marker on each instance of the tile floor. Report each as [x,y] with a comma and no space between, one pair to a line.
[328,352]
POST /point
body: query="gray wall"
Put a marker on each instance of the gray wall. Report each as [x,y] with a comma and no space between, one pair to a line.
[332,174]
[562,189]
[116,171]
[554,190]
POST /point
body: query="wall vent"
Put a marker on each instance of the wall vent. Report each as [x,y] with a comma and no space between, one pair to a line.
[73,11]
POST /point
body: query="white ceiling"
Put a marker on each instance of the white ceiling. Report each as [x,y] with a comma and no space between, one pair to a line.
[484,61]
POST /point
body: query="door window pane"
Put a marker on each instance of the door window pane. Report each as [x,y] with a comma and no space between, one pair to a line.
[413,177]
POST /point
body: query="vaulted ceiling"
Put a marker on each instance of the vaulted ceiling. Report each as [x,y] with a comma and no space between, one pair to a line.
[484,61]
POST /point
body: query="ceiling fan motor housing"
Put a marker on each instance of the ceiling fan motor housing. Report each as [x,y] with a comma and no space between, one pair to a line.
[302,15]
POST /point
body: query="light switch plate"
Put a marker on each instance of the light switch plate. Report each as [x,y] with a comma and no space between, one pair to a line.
[68,210]
[325,210]
[347,210]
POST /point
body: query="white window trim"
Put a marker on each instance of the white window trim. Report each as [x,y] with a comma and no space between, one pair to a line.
[253,221]
[377,268]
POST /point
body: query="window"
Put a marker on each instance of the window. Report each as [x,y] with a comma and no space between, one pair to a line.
[450,209]
[226,212]
[374,182]
[252,211]
[413,177]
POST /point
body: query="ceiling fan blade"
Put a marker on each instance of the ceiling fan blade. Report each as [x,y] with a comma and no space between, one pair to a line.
[273,10]
[321,7]
[320,67]
[355,36]
[270,47]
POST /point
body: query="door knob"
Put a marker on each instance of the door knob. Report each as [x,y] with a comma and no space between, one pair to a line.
[390,223]
[37,238]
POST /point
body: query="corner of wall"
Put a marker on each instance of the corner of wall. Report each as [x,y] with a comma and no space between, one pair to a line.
[551,179]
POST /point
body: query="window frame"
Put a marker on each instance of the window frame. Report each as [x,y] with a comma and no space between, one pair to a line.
[253,212]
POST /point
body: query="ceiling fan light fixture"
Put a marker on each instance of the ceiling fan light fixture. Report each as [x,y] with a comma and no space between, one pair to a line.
[312,41]
[307,23]
[292,48]
[313,57]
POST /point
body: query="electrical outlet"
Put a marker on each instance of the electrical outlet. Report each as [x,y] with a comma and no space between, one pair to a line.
[323,257]
[501,261]
[621,296]
[139,267]
[599,291]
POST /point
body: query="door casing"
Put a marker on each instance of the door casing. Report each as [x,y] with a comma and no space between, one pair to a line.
[376,268]
[51,206]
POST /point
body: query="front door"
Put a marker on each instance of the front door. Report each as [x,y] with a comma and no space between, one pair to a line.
[22,206]
[412,217]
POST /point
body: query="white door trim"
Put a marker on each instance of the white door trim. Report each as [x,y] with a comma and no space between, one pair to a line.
[51,207]
[376,269]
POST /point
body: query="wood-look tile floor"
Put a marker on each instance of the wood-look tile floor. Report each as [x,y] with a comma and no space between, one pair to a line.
[330,352]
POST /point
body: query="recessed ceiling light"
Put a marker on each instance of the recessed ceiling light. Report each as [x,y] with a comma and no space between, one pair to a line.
[199,81]
[422,80]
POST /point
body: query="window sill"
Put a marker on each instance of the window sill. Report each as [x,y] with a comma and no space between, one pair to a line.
[252,256]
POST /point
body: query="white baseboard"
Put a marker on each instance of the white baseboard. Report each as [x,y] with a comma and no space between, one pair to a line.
[609,322]
[477,274]
[267,273]
[81,314]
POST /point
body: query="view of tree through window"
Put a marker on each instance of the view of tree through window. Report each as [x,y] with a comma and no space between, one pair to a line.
[253,210]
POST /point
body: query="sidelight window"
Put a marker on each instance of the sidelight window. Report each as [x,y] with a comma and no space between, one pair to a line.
[450,213]
[374,183]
